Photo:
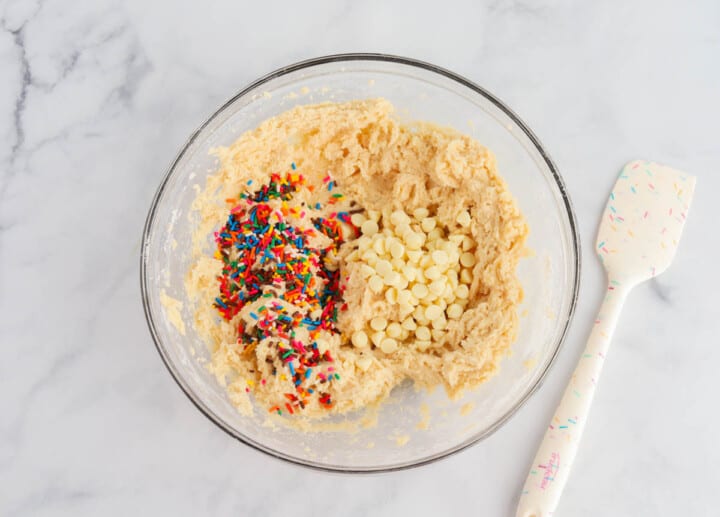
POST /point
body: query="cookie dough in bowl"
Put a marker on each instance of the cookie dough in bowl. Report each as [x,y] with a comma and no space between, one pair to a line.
[353,252]
[360,263]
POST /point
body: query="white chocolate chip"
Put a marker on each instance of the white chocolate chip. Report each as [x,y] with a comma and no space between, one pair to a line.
[366,271]
[322,346]
[363,243]
[409,324]
[419,315]
[419,291]
[410,273]
[378,323]
[370,257]
[399,217]
[397,250]
[438,335]
[392,278]
[428,224]
[420,213]
[405,311]
[467,259]
[434,234]
[377,338]
[414,241]
[439,257]
[463,219]
[357,219]
[462,291]
[398,264]
[438,286]
[423,345]
[432,273]
[359,339]
[404,297]
[429,298]
[414,255]
[422,333]
[454,311]
[393,330]
[439,323]
[388,345]
[466,276]
[433,312]
[402,283]
[369,228]
[379,245]
[402,229]
[383,267]
[375,284]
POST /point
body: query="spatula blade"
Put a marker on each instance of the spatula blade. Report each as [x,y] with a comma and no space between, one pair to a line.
[643,220]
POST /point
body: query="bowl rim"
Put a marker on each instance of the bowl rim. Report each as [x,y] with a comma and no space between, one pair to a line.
[383,58]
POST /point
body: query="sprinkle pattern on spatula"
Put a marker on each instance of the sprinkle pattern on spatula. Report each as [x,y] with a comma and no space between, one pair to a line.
[639,233]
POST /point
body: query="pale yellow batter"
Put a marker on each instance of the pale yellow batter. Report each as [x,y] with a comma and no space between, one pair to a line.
[377,163]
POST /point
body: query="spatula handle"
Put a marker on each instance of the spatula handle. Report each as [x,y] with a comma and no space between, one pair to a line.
[551,466]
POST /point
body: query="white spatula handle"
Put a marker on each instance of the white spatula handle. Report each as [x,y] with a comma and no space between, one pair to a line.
[551,466]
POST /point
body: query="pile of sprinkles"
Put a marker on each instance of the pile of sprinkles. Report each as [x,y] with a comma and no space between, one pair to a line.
[267,255]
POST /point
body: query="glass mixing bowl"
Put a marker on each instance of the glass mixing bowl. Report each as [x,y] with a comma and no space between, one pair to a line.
[550,276]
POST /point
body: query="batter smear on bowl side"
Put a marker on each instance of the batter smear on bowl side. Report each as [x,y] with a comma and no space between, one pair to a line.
[350,252]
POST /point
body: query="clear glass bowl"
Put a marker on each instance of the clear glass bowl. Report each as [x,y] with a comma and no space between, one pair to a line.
[550,277]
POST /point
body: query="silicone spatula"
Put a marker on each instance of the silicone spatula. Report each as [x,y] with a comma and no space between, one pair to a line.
[639,233]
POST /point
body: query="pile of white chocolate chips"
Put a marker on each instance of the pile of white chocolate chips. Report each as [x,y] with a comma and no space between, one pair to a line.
[414,263]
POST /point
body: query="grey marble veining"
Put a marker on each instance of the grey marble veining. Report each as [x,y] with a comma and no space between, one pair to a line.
[97,96]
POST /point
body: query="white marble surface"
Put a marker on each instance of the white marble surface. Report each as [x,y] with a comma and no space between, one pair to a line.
[96,96]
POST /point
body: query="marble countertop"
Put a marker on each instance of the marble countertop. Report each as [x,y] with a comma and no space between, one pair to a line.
[96,96]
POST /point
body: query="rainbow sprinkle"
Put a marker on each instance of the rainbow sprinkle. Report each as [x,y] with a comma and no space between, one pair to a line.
[265,255]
